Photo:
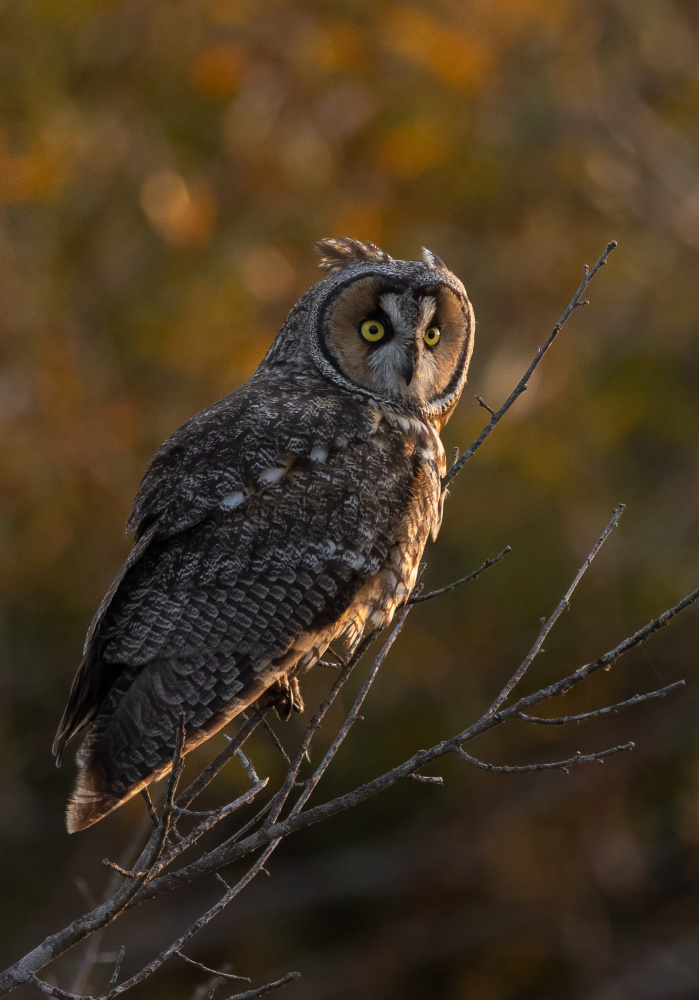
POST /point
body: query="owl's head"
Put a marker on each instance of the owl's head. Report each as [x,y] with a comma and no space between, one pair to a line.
[396,330]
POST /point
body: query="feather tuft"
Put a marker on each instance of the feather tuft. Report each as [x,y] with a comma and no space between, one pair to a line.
[432,260]
[336,254]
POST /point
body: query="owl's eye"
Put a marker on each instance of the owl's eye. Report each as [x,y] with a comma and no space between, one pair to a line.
[432,336]
[372,330]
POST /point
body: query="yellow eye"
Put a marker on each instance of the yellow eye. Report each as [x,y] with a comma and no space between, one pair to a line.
[372,330]
[432,336]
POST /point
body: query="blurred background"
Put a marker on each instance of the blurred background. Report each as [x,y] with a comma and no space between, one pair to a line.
[164,170]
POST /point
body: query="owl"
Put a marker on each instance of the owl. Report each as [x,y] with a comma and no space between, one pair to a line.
[290,513]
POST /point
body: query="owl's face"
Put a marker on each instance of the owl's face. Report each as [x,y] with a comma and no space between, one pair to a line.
[400,331]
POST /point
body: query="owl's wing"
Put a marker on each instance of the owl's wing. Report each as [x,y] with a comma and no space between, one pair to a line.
[251,529]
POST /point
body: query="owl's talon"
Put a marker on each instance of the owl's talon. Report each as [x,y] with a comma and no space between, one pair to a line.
[296,699]
[285,697]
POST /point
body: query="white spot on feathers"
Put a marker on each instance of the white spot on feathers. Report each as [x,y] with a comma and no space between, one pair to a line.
[272,475]
[233,500]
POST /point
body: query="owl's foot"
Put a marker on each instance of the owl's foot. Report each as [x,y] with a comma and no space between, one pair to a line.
[285,697]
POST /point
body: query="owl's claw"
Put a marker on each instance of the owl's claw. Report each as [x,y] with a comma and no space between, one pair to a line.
[296,699]
[285,697]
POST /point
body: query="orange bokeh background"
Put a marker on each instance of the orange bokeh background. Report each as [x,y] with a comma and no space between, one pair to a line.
[164,170]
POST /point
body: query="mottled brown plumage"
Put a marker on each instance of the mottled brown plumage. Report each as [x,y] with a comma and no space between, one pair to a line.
[291,512]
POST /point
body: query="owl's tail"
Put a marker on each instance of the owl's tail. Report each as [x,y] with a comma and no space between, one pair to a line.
[94,796]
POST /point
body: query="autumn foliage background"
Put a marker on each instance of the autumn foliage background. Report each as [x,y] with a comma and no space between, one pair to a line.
[164,169]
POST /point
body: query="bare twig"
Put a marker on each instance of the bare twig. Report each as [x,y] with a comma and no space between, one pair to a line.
[559,765]
[547,624]
[117,967]
[177,765]
[155,819]
[485,406]
[521,386]
[419,598]
[278,984]
[352,717]
[122,871]
[216,765]
[213,972]
[249,769]
[273,736]
[598,712]
[605,662]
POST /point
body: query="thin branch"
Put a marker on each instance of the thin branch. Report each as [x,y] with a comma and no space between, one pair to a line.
[419,598]
[353,715]
[278,984]
[559,765]
[249,768]
[210,819]
[605,662]
[122,871]
[351,661]
[562,606]
[54,991]
[117,967]
[521,386]
[152,812]
[213,972]
[218,763]
[485,406]
[273,736]
[177,763]
[598,712]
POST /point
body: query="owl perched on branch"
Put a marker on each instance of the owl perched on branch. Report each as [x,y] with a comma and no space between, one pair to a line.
[291,512]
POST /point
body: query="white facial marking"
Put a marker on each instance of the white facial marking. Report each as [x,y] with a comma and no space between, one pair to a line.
[390,303]
[387,361]
[427,307]
[319,453]
[233,500]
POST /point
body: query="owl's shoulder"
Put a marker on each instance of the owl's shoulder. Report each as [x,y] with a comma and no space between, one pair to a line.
[269,421]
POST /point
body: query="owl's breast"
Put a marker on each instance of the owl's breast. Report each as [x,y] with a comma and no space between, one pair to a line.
[421,514]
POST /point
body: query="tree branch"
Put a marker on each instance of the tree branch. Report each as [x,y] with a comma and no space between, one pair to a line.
[419,598]
[559,765]
[521,386]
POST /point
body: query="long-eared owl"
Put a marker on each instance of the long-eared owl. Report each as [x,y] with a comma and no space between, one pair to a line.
[290,513]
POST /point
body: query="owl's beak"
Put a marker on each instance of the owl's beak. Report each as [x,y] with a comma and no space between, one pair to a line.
[407,367]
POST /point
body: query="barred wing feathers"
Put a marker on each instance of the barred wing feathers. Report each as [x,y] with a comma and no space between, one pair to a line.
[256,527]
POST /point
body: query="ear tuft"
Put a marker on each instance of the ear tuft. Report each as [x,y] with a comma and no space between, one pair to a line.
[432,260]
[336,254]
